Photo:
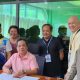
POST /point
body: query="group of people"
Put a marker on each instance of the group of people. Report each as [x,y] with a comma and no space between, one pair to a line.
[18,60]
[8,46]
[23,62]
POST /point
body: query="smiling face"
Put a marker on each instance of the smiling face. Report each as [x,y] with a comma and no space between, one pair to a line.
[73,24]
[13,33]
[22,47]
[46,31]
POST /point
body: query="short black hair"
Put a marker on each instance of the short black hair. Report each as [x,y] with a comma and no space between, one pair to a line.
[22,39]
[0,25]
[62,27]
[34,30]
[50,26]
[13,26]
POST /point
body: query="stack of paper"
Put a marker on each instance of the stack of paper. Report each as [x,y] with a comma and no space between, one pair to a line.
[5,76]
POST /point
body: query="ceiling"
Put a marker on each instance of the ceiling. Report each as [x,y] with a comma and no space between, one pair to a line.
[57,5]
[33,1]
[76,3]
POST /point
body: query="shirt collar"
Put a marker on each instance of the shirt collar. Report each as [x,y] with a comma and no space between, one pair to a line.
[25,56]
[48,39]
[76,31]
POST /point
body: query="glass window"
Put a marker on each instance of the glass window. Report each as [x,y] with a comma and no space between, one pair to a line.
[55,13]
[7,17]
[32,16]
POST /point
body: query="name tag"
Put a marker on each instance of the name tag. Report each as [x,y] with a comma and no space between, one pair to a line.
[48,58]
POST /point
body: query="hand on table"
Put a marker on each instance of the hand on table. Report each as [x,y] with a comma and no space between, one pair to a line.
[7,71]
[19,74]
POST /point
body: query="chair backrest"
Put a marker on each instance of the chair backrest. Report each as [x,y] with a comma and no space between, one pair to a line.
[40,61]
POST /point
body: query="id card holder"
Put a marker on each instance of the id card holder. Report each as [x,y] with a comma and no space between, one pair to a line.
[48,58]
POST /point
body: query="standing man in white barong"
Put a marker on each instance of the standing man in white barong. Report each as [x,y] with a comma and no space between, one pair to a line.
[74,25]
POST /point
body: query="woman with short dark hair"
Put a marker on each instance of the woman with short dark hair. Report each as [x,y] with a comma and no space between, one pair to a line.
[11,44]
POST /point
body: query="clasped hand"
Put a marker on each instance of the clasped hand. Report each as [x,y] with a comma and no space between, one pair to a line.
[19,74]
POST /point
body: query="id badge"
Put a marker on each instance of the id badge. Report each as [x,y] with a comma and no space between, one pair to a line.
[48,58]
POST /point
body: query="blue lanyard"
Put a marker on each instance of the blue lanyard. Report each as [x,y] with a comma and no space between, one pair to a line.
[47,44]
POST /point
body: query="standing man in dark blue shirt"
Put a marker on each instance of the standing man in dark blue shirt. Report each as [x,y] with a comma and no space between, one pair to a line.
[51,49]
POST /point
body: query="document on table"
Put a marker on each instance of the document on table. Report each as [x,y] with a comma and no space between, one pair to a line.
[5,76]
